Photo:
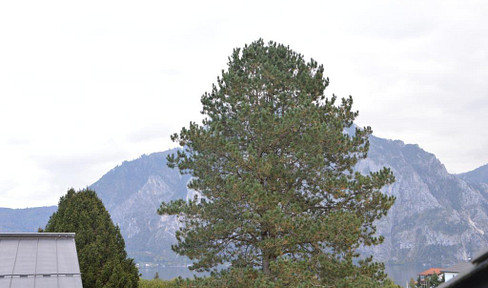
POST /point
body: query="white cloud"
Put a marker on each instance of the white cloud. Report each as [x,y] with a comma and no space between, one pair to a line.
[84,86]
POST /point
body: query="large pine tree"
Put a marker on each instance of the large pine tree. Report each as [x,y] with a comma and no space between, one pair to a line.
[100,246]
[274,166]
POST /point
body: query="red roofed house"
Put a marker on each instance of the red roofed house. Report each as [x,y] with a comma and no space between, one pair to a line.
[429,272]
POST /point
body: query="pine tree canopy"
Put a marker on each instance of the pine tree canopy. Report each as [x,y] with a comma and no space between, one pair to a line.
[274,167]
[100,246]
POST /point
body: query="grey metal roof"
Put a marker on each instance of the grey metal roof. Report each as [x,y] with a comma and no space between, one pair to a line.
[474,277]
[458,268]
[39,260]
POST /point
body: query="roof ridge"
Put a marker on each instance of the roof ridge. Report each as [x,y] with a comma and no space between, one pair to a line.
[37,234]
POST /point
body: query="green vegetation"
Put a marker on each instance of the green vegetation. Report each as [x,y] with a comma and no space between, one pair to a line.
[225,280]
[412,283]
[158,283]
[280,200]
[101,249]
[430,281]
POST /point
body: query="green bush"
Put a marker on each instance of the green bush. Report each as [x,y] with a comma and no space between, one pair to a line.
[158,283]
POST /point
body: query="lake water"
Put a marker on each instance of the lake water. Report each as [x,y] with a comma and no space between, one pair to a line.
[168,273]
[401,274]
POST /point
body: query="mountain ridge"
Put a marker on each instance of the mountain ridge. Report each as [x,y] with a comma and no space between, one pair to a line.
[438,218]
[445,212]
[433,207]
[25,219]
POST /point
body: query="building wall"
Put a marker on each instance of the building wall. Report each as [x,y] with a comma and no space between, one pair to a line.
[449,275]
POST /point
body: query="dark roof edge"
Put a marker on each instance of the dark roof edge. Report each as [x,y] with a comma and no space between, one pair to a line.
[480,257]
[36,235]
[467,276]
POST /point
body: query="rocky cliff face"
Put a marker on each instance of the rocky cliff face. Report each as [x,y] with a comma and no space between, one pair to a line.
[438,218]
[132,193]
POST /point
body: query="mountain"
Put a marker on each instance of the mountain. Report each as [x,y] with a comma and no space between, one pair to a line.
[25,220]
[132,193]
[438,218]
[478,178]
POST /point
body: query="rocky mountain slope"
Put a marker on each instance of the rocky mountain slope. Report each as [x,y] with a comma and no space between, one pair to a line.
[438,218]
[478,178]
[132,193]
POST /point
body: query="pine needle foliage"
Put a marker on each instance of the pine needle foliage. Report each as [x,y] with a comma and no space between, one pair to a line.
[99,244]
[273,165]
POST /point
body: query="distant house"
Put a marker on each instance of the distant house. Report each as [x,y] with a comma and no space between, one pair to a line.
[39,260]
[429,272]
[453,271]
[476,276]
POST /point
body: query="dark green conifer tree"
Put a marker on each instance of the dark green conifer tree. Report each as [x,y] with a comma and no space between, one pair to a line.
[100,246]
[279,198]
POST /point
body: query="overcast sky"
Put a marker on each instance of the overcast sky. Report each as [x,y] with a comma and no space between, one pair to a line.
[85,85]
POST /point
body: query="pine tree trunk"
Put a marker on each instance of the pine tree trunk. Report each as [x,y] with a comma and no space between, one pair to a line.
[266,269]
[268,258]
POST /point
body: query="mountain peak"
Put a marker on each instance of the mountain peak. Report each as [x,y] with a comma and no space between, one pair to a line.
[478,175]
